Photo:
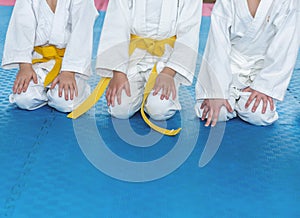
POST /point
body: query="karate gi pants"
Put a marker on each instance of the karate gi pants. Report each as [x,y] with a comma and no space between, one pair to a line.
[156,108]
[237,101]
[37,95]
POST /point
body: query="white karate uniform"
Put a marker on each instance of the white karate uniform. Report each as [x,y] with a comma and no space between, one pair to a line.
[33,23]
[243,51]
[158,20]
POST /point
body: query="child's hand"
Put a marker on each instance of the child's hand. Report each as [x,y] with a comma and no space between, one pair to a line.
[165,83]
[258,96]
[115,88]
[212,107]
[25,75]
[67,83]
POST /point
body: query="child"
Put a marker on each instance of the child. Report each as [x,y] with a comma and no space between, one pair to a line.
[51,42]
[248,61]
[138,35]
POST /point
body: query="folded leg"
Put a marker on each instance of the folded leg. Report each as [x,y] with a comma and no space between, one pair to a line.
[60,104]
[129,104]
[159,109]
[257,117]
[35,95]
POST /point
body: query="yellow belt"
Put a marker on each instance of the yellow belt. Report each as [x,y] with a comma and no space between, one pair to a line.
[152,46]
[50,53]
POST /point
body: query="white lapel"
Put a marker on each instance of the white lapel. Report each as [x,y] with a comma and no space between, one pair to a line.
[59,22]
[168,10]
[140,14]
[258,21]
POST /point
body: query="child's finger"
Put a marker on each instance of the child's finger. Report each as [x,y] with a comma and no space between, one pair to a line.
[107,96]
[215,118]
[119,94]
[55,81]
[256,103]
[165,92]
[250,99]
[60,90]
[204,113]
[228,107]
[265,104]
[76,89]
[168,92]
[162,97]
[107,93]
[66,90]
[34,78]
[203,104]
[112,97]
[18,83]
[15,87]
[270,99]
[20,86]
[127,89]
[173,91]
[157,88]
[72,90]
[209,118]
[26,84]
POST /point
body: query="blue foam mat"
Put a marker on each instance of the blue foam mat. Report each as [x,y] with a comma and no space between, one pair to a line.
[43,172]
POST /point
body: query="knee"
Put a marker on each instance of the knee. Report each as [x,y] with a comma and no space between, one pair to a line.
[122,111]
[258,118]
[23,101]
[60,103]
[27,101]
[66,106]
[159,109]
[129,105]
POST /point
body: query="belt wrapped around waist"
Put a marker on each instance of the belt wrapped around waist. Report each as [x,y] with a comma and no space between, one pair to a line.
[50,53]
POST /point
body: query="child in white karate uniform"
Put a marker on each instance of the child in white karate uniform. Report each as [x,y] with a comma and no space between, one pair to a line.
[50,37]
[248,61]
[150,23]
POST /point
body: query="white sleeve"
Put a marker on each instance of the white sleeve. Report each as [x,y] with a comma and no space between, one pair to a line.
[78,52]
[215,76]
[184,56]
[115,39]
[280,59]
[20,35]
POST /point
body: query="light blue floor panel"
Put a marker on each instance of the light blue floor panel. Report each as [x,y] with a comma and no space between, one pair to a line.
[43,172]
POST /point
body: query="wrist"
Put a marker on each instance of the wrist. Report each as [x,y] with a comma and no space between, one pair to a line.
[68,72]
[169,71]
[118,74]
[25,66]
